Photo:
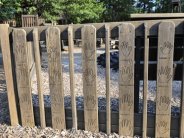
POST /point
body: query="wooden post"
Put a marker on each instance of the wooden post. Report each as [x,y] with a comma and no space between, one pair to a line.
[145,88]
[5,46]
[108,99]
[38,76]
[90,78]
[55,77]
[126,79]
[72,82]
[166,35]
[23,77]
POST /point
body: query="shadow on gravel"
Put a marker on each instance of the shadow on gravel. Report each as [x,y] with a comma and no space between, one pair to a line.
[5,118]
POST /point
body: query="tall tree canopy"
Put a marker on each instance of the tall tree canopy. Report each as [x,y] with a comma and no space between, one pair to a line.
[75,11]
[163,6]
[145,6]
[82,11]
[118,10]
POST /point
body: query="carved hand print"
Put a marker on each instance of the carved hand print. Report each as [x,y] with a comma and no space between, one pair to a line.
[90,101]
[163,103]
[125,73]
[166,48]
[91,125]
[127,100]
[164,74]
[162,127]
[127,127]
[89,76]
[125,48]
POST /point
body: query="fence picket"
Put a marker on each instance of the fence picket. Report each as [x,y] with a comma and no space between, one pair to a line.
[72,82]
[55,77]
[126,79]
[89,78]
[145,89]
[38,76]
[164,79]
[23,77]
[5,46]
[108,100]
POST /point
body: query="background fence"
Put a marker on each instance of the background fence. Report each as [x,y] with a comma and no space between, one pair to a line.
[131,36]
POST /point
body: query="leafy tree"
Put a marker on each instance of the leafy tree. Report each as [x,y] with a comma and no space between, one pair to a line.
[76,11]
[118,10]
[48,9]
[7,9]
[82,11]
[145,6]
[163,6]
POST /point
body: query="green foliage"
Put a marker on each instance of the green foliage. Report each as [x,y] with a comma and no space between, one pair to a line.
[163,6]
[118,10]
[145,6]
[76,11]
[82,11]
[7,9]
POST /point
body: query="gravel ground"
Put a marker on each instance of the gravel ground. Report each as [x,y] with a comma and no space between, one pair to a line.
[6,131]
[27,132]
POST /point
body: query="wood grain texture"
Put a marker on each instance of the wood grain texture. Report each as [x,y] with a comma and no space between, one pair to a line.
[5,46]
[100,28]
[108,100]
[126,79]
[164,79]
[55,77]
[31,59]
[39,77]
[23,77]
[89,78]
[72,82]
[145,87]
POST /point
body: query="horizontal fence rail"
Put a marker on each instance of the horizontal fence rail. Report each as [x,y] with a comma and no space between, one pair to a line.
[100,29]
[126,122]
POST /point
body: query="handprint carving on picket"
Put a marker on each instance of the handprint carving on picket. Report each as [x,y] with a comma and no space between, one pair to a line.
[162,127]
[125,49]
[166,50]
[127,126]
[164,75]
[126,72]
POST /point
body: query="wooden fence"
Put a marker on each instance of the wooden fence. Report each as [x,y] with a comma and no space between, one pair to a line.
[126,122]
[29,20]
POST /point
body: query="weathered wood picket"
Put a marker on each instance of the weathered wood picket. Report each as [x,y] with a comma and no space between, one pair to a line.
[126,122]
